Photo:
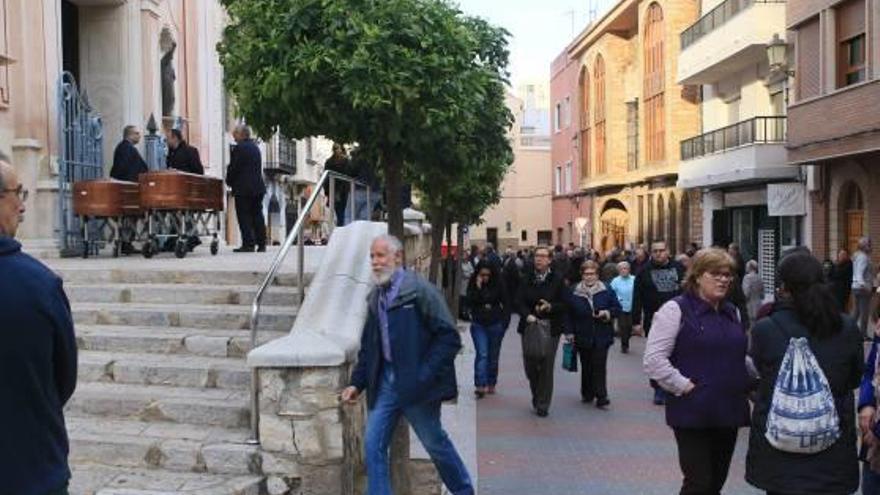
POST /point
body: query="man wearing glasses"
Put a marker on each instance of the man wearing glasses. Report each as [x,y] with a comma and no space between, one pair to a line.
[658,283]
[37,358]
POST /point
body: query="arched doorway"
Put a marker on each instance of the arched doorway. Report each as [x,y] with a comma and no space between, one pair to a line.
[672,235]
[852,208]
[685,221]
[613,221]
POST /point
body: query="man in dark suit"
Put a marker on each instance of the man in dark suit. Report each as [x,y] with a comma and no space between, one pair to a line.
[182,156]
[245,177]
[127,161]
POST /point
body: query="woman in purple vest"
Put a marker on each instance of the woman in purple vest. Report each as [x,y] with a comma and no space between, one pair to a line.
[697,352]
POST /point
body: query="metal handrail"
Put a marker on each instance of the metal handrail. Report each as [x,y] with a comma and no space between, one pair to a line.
[715,18]
[751,131]
[296,233]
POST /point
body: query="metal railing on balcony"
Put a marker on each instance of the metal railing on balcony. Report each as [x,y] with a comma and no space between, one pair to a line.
[753,131]
[716,18]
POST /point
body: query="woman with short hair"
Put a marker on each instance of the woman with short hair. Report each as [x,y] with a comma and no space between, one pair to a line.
[696,351]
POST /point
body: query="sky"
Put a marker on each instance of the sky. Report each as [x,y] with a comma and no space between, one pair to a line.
[540,29]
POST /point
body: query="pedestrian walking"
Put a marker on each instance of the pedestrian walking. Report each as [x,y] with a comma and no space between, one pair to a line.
[541,309]
[489,307]
[659,281]
[340,163]
[467,271]
[753,288]
[623,286]
[592,308]
[697,352]
[245,176]
[406,366]
[862,285]
[841,278]
[639,261]
[181,155]
[37,359]
[128,164]
[805,309]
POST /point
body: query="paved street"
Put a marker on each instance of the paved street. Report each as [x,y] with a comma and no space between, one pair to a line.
[579,449]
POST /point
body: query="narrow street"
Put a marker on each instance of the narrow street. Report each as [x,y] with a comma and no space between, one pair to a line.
[579,449]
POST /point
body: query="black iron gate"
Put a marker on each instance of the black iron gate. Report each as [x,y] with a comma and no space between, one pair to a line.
[80,157]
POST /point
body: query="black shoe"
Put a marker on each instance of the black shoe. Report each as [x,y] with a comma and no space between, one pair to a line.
[244,249]
[602,402]
[542,413]
[624,350]
[587,400]
[261,248]
[479,394]
[659,397]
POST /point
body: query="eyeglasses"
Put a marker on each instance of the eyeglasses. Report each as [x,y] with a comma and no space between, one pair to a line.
[588,274]
[19,191]
[721,276]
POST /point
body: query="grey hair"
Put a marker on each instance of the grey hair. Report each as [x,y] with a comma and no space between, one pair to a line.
[623,264]
[128,131]
[864,242]
[752,265]
[244,130]
[393,243]
[4,158]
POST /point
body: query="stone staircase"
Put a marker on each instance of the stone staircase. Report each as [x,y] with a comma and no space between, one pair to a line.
[162,404]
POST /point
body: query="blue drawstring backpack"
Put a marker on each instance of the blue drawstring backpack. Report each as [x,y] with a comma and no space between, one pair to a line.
[803,417]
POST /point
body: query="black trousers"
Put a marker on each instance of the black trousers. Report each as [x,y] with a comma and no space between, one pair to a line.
[594,372]
[249,211]
[540,375]
[625,327]
[704,456]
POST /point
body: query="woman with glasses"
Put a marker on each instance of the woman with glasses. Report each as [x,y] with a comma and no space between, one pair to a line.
[592,308]
[486,298]
[696,351]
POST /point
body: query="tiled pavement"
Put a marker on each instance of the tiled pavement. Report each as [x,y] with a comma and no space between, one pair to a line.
[580,449]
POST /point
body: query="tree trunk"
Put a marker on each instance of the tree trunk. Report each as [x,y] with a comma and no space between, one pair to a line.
[438,220]
[393,185]
[451,287]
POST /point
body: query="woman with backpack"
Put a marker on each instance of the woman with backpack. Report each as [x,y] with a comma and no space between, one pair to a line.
[487,301]
[803,436]
[696,351]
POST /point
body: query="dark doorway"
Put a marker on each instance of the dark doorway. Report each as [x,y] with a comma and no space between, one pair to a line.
[70,38]
[492,236]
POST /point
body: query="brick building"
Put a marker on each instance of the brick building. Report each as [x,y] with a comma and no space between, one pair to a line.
[834,123]
[632,114]
[569,202]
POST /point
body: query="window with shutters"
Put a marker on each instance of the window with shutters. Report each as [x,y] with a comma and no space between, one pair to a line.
[599,114]
[585,143]
[654,86]
[808,71]
[851,41]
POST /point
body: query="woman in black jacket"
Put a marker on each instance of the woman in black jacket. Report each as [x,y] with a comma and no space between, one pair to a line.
[806,307]
[487,299]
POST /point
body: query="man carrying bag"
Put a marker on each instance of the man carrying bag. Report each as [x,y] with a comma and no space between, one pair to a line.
[541,309]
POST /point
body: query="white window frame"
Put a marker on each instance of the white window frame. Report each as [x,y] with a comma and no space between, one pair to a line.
[566,120]
[558,180]
[557,118]
[569,178]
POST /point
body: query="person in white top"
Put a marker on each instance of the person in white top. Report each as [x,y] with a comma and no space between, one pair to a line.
[862,285]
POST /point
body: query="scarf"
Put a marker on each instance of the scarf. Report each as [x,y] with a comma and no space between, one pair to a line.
[588,291]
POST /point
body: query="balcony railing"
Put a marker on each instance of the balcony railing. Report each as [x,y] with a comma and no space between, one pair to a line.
[716,18]
[753,131]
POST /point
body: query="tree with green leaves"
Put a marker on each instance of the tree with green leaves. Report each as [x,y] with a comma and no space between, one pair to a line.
[391,75]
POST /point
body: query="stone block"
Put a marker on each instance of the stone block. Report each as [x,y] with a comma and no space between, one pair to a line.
[307,438]
[321,480]
[232,459]
[204,345]
[334,441]
[180,455]
[285,465]
[322,378]
[276,434]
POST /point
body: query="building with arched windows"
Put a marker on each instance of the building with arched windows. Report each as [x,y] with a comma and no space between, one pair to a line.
[631,116]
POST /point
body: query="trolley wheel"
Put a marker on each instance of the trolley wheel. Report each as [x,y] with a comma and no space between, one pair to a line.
[85,253]
[215,247]
[180,248]
[148,249]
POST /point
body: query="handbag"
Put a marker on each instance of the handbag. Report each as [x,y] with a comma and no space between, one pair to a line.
[537,340]
[569,359]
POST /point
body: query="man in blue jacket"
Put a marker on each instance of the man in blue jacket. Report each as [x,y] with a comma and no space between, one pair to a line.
[37,359]
[406,365]
[245,176]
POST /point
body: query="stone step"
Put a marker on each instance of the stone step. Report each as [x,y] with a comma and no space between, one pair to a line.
[197,406]
[77,274]
[179,294]
[175,447]
[91,479]
[158,340]
[164,369]
[227,317]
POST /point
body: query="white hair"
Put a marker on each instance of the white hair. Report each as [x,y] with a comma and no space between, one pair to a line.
[244,130]
[623,264]
[393,243]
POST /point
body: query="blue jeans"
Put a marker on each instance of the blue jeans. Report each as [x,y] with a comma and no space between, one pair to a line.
[870,480]
[425,420]
[487,343]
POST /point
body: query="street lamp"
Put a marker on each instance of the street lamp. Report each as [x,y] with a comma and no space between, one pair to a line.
[777,55]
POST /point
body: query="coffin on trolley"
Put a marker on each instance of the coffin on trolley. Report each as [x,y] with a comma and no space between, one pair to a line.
[109,211]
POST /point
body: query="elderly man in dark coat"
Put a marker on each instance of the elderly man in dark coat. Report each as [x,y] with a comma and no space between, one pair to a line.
[245,177]
[127,161]
[182,156]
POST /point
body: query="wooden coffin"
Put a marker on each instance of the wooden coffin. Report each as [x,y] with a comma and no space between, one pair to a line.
[175,190]
[106,198]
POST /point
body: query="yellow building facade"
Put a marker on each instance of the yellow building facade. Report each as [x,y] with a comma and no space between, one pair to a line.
[632,116]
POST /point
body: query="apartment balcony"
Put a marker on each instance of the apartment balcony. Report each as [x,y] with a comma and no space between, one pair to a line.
[729,38]
[749,151]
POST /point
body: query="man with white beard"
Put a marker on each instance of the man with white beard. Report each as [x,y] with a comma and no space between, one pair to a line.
[406,365]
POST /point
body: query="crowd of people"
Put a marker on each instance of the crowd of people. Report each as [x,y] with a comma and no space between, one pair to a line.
[718,357]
